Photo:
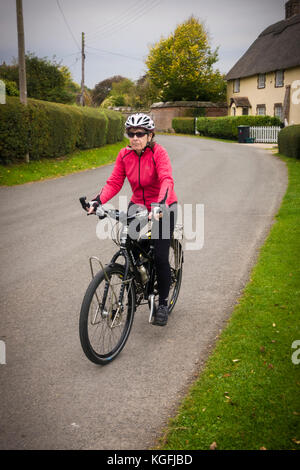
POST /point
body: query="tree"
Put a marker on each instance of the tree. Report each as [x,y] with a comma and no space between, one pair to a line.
[181,66]
[46,80]
[103,89]
[146,92]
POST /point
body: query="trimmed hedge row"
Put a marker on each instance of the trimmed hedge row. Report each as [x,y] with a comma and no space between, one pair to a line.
[47,129]
[222,127]
[289,141]
[227,127]
[115,131]
[184,125]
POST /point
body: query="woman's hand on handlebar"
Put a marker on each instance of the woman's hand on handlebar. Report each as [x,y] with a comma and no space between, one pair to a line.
[93,207]
[96,208]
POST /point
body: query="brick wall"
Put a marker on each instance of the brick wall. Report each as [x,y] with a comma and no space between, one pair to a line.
[163,116]
[216,112]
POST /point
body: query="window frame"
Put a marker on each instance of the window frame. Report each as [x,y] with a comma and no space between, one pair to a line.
[278,105]
[261,106]
[236,81]
[259,76]
[276,85]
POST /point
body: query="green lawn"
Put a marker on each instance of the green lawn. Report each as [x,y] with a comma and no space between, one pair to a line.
[248,395]
[54,167]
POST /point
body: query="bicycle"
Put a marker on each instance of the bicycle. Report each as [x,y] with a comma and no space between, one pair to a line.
[117,290]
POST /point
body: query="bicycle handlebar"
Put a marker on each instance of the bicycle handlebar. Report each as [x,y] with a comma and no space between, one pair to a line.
[113,213]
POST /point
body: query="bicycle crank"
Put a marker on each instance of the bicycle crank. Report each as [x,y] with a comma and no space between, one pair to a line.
[151,302]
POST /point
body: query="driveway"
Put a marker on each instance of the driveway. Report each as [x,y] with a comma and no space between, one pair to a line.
[52,397]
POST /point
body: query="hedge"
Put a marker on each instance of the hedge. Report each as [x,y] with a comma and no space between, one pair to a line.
[115,130]
[227,127]
[47,129]
[222,127]
[185,125]
[289,141]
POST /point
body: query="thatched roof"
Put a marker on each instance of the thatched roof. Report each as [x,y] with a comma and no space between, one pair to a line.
[276,48]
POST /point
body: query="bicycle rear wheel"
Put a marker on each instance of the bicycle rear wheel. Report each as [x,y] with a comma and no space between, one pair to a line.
[104,327]
[176,261]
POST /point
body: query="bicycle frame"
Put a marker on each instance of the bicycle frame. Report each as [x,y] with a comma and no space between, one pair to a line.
[126,252]
[127,246]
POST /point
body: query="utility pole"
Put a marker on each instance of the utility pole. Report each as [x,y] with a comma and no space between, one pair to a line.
[82,71]
[21,49]
[21,59]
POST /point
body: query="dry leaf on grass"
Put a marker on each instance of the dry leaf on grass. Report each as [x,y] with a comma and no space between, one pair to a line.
[213,446]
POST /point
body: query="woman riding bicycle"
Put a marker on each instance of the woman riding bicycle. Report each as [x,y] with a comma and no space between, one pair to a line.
[147,166]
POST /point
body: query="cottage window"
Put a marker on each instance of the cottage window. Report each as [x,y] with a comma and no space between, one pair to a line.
[261,81]
[236,85]
[245,111]
[279,78]
[261,110]
[278,111]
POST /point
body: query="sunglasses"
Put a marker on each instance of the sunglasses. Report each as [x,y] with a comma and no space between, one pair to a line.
[137,134]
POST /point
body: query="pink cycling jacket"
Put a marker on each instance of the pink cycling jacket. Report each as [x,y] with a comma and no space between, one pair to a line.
[150,177]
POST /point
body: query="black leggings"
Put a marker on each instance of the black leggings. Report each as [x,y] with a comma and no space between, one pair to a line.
[161,235]
[162,232]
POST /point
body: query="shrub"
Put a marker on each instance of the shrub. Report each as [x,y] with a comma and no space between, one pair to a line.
[289,141]
[11,88]
[47,129]
[14,142]
[93,129]
[227,127]
[53,129]
[115,130]
[185,125]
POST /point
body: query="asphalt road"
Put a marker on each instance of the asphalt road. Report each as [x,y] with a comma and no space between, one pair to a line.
[52,397]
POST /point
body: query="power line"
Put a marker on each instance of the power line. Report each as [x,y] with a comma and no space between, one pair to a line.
[65,20]
[114,53]
[74,63]
[116,27]
[68,55]
[112,22]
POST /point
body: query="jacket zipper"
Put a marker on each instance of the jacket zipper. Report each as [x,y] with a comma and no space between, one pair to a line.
[140,180]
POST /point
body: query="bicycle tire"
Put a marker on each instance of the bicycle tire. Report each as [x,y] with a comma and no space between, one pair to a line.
[97,325]
[176,252]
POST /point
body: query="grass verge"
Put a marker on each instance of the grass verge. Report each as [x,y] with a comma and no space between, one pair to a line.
[38,170]
[247,397]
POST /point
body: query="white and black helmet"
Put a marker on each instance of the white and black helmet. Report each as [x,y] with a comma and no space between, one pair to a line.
[140,120]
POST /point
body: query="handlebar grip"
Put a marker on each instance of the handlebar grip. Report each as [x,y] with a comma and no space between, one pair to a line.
[85,205]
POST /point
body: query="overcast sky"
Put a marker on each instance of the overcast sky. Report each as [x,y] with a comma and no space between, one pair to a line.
[119,33]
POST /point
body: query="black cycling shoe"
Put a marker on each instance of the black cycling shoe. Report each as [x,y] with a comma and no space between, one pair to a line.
[161,316]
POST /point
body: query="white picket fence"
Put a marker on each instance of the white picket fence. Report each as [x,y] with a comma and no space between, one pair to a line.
[265,134]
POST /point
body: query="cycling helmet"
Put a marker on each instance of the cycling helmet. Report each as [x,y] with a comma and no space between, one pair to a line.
[140,120]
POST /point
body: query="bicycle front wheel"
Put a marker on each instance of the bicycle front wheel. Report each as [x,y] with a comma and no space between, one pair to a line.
[176,261]
[104,325]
